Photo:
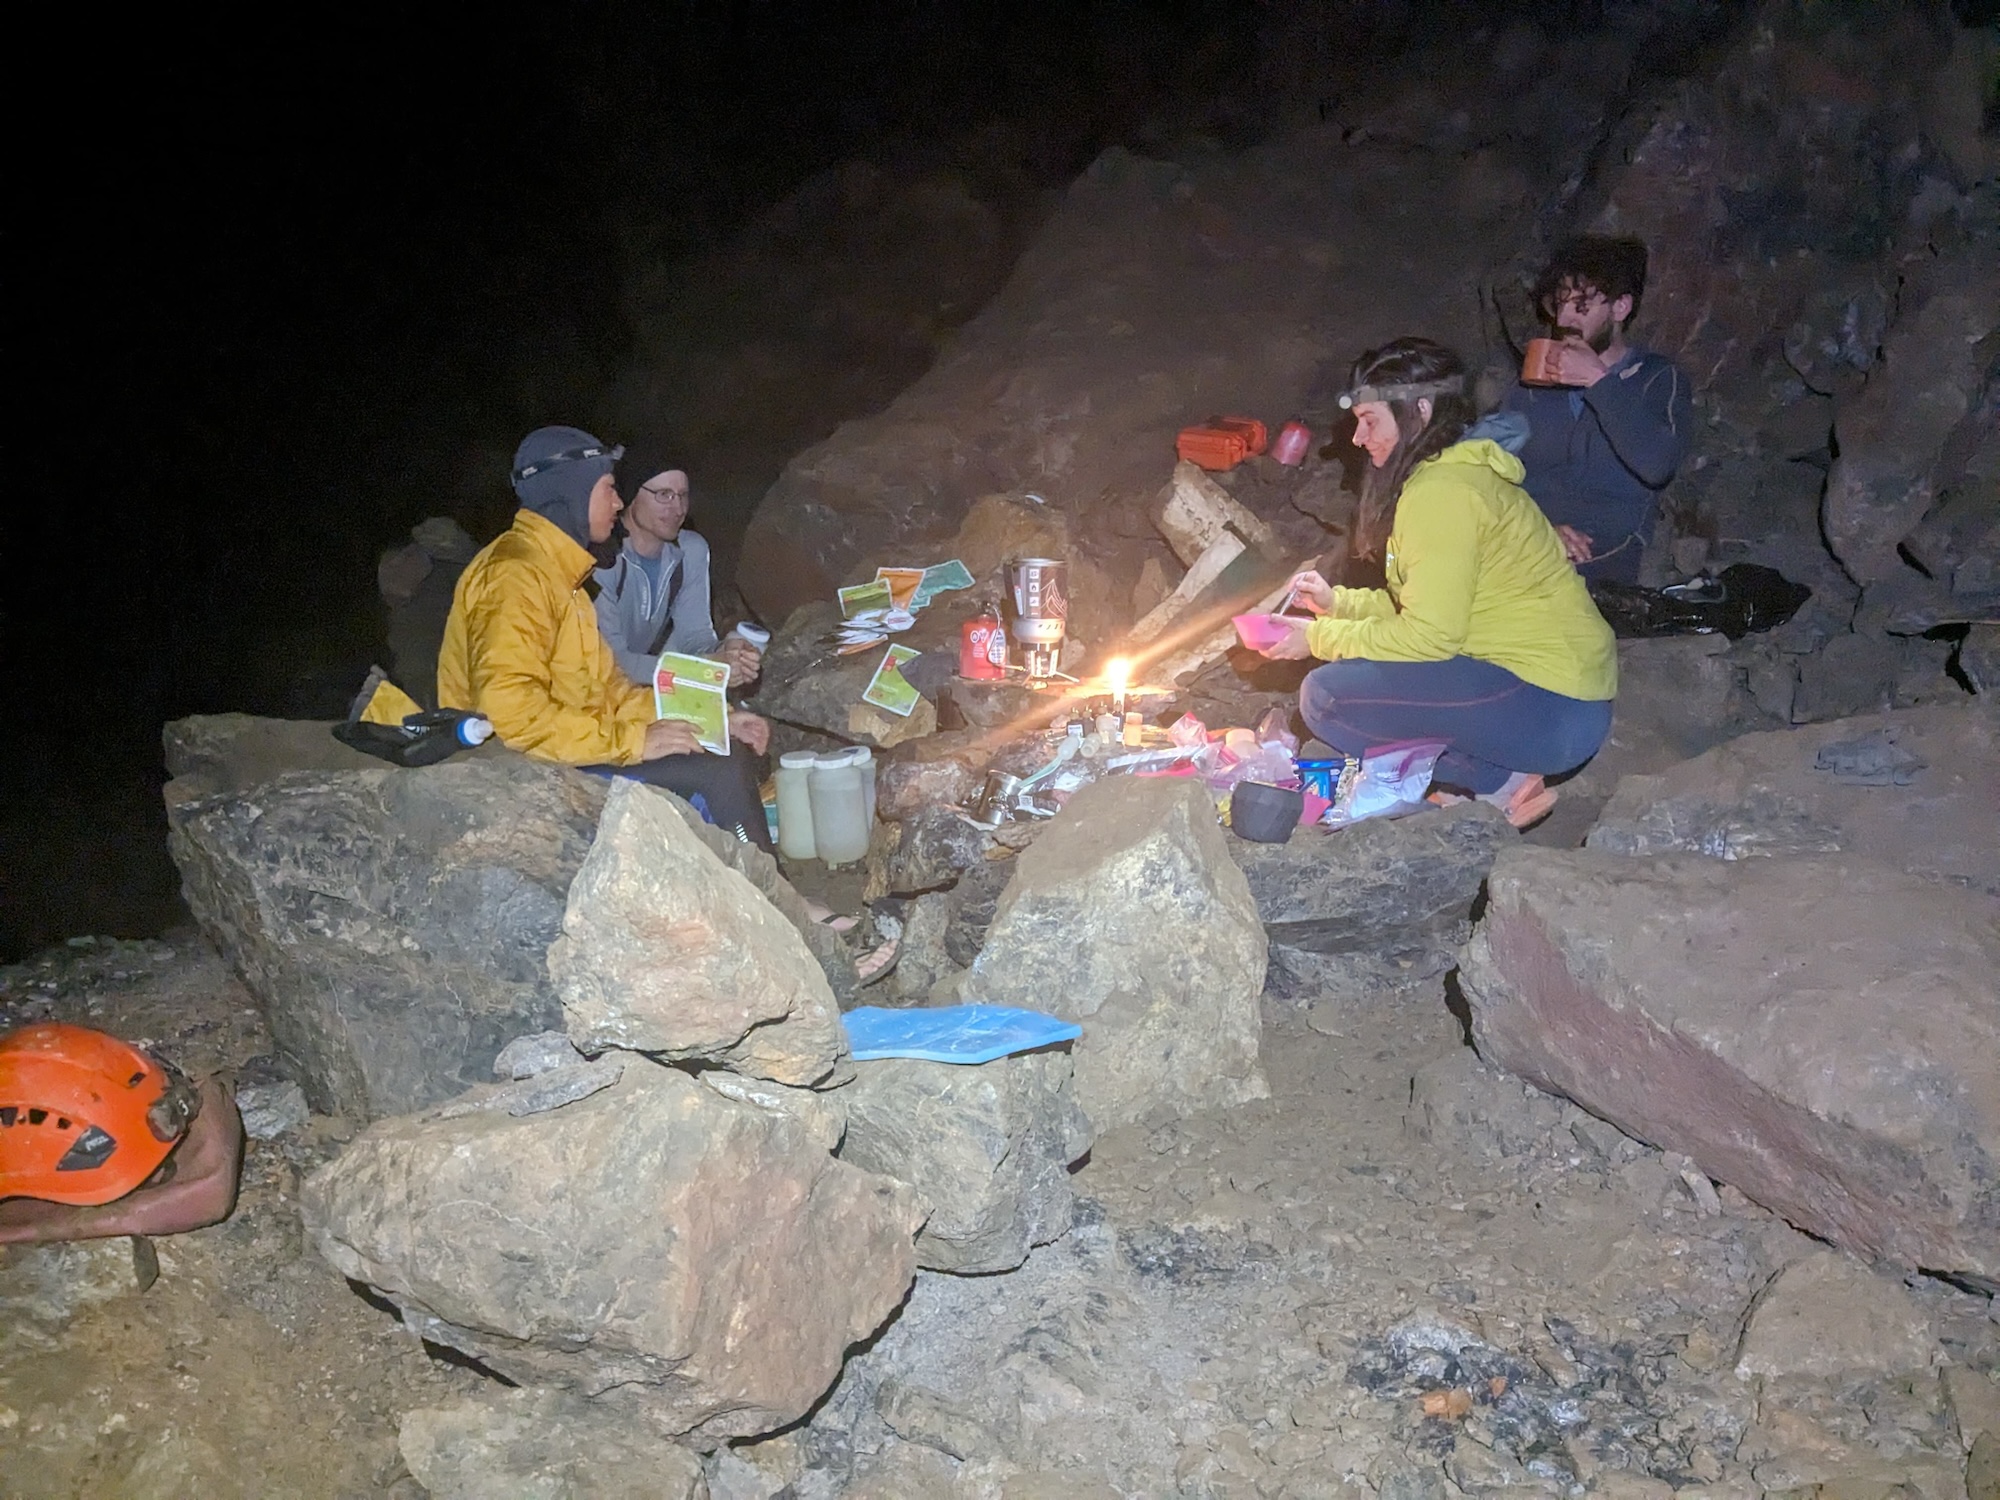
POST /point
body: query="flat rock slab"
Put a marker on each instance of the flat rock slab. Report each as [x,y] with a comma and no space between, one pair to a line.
[1761,795]
[393,923]
[988,1147]
[667,950]
[1822,1033]
[655,1243]
[1127,915]
[542,1445]
[1828,1315]
[1358,888]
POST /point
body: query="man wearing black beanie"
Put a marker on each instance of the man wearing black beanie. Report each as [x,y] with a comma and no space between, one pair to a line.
[522,645]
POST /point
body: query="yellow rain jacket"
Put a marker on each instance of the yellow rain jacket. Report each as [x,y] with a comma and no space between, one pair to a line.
[522,647]
[1475,569]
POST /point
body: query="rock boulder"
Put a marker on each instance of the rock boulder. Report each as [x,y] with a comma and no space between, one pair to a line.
[1128,916]
[1901,434]
[667,950]
[1822,1033]
[1827,1316]
[988,1147]
[1375,883]
[1764,794]
[391,922]
[544,1445]
[654,1245]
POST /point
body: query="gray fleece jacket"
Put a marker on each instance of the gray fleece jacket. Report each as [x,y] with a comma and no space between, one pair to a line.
[631,611]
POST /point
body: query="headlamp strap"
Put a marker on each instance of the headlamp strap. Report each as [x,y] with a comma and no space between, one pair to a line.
[568,455]
[1454,386]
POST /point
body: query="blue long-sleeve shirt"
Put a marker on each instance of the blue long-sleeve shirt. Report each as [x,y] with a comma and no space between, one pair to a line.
[1598,456]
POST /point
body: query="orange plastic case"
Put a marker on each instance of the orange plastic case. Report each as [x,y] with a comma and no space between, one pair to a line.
[1221,442]
[84,1118]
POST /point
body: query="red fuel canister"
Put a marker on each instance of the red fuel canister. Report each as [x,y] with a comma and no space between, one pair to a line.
[982,648]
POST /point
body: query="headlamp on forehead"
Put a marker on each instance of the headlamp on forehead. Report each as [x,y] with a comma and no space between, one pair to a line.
[568,455]
[1455,386]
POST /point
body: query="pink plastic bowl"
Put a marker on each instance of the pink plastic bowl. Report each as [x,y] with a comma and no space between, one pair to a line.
[1262,632]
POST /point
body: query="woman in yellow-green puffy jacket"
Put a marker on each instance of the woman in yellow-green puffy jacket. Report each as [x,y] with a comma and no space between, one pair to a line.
[1485,637]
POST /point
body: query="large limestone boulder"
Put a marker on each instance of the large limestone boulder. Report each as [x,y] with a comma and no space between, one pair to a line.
[1822,1032]
[1765,794]
[392,923]
[988,1147]
[542,1445]
[1358,888]
[667,950]
[654,1244]
[1128,916]
[1148,296]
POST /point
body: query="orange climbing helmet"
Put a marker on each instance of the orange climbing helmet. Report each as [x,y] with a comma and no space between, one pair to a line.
[84,1117]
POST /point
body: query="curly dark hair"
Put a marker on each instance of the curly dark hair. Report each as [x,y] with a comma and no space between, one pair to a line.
[1612,264]
[1409,361]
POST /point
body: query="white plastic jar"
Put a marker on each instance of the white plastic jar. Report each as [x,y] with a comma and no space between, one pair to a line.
[795,818]
[839,809]
[863,760]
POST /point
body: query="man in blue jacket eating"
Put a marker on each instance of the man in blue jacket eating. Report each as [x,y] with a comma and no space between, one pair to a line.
[1605,439]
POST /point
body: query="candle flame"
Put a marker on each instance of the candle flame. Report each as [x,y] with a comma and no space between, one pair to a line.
[1118,673]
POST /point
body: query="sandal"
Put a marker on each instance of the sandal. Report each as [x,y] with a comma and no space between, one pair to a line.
[1532,801]
[879,962]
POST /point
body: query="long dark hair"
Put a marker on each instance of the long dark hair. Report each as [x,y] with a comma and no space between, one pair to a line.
[1407,362]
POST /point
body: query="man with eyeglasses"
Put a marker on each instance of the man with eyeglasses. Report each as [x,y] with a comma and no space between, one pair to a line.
[655,596]
[1606,437]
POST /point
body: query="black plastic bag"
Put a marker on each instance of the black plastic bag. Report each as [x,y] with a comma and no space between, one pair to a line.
[1740,600]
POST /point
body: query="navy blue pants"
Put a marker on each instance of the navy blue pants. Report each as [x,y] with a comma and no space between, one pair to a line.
[1495,723]
[723,788]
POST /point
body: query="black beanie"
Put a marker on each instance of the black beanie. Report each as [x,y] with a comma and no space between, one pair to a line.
[555,469]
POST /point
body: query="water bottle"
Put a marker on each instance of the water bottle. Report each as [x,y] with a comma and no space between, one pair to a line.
[795,816]
[839,810]
[421,739]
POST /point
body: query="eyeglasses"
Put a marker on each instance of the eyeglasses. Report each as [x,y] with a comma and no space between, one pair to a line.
[663,492]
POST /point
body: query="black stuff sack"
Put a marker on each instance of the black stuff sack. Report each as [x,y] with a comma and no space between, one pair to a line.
[1741,600]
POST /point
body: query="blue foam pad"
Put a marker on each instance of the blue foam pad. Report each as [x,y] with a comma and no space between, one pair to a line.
[952,1034]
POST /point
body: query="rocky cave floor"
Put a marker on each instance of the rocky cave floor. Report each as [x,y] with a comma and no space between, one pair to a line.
[1253,1302]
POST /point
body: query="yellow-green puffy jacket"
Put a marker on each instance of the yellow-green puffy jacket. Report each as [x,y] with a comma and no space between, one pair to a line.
[1475,569]
[522,647]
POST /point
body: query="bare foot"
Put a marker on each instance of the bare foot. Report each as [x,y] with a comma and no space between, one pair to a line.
[828,918]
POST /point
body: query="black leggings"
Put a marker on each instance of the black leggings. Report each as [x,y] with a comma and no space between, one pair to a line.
[726,784]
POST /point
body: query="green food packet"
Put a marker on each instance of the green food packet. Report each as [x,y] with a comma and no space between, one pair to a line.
[862,597]
[887,689]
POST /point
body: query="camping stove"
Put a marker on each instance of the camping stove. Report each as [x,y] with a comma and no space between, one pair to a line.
[1039,588]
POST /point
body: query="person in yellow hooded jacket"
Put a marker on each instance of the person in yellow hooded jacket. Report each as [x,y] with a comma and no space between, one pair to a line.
[523,648]
[1486,637]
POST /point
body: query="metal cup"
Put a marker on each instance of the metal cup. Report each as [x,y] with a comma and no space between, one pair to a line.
[995,803]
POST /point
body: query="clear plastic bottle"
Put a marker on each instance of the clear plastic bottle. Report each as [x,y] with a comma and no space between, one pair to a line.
[839,810]
[795,821]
